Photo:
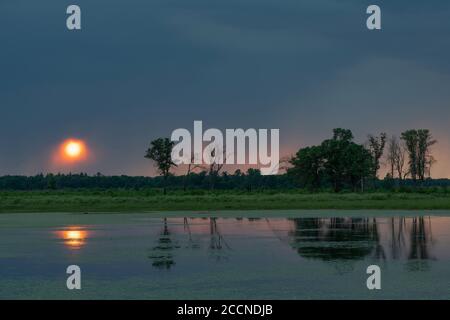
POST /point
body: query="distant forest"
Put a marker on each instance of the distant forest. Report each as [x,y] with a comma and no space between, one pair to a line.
[249,181]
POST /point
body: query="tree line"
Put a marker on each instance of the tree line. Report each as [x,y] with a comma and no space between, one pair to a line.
[338,162]
[251,180]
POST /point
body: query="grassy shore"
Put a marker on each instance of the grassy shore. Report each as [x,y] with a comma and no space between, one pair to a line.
[144,201]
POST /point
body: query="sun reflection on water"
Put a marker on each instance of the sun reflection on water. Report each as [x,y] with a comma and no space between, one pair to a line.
[73,237]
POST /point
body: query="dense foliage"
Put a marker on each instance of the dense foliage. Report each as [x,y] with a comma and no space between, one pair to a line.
[338,161]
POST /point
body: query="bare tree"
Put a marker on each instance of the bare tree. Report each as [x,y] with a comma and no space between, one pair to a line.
[430,161]
[285,163]
[216,163]
[191,167]
[376,148]
[400,162]
[396,154]
[418,143]
[425,159]
[392,154]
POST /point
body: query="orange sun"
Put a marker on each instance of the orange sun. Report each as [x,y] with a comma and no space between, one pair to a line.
[73,149]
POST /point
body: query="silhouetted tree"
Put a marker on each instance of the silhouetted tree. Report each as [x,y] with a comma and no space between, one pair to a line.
[418,143]
[160,151]
[216,163]
[425,160]
[396,158]
[376,148]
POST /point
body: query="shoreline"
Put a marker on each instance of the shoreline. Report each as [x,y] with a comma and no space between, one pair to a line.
[129,201]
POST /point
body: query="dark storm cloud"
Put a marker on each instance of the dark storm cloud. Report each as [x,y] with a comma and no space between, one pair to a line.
[140,69]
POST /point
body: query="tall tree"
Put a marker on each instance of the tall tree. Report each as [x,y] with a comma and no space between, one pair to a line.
[410,139]
[418,143]
[376,147]
[430,162]
[160,151]
[424,158]
[336,157]
[391,155]
[396,158]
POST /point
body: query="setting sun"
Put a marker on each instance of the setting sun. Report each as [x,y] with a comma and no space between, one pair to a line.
[73,150]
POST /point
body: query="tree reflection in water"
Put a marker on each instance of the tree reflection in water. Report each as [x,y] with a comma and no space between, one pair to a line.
[187,228]
[218,245]
[346,239]
[343,240]
[398,242]
[420,242]
[162,253]
[334,238]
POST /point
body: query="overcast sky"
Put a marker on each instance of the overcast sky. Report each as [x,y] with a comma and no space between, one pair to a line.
[139,69]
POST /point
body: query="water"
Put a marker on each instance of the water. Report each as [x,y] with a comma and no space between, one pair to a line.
[139,256]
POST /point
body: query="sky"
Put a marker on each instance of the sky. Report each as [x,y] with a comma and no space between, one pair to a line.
[140,69]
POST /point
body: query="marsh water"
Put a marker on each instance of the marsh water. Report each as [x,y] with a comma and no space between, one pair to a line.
[141,256]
